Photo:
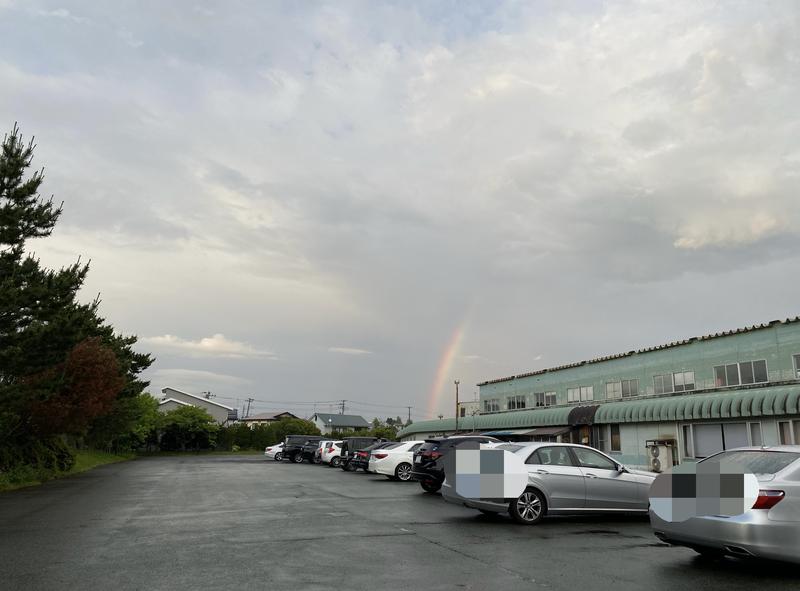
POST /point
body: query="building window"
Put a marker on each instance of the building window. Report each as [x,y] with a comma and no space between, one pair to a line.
[663,383]
[630,388]
[789,432]
[746,372]
[683,381]
[544,398]
[688,448]
[702,439]
[614,390]
[616,441]
[796,359]
[516,402]
[491,405]
[580,394]
[462,412]
[622,389]
[755,434]
[602,437]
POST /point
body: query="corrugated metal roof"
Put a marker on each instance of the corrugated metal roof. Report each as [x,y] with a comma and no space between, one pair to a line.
[542,417]
[342,420]
[707,337]
[755,402]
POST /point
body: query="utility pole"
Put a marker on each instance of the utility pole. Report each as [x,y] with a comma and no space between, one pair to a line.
[409,414]
[249,400]
[441,417]
[209,395]
[341,406]
[456,383]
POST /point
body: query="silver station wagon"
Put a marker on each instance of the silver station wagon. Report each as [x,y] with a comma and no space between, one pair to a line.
[565,478]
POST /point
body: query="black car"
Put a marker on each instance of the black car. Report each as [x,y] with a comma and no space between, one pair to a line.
[293,446]
[428,467]
[361,460]
[350,447]
[310,452]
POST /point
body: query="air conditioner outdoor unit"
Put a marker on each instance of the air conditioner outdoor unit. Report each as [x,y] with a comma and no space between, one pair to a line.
[659,457]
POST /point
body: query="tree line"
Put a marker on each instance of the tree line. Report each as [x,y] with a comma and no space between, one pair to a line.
[66,375]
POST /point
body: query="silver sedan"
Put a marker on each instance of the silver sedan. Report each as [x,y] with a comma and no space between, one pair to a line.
[564,478]
[771,529]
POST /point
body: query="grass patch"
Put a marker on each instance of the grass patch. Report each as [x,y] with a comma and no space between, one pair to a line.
[85,459]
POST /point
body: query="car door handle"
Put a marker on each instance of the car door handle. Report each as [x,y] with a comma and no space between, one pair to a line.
[590,475]
[542,472]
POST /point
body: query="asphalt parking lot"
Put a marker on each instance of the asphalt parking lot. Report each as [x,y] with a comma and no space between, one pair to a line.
[242,522]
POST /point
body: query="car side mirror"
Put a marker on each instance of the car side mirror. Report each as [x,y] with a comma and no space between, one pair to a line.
[622,469]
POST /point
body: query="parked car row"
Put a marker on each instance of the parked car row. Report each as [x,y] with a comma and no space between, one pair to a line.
[565,478]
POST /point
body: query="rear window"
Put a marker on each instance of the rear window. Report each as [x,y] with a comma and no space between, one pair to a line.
[510,447]
[392,446]
[757,462]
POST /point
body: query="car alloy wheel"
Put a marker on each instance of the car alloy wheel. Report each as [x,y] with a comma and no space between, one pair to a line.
[297,458]
[335,462]
[278,457]
[528,508]
[403,472]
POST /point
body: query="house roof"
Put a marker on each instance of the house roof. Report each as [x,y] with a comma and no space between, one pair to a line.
[341,420]
[206,400]
[707,337]
[269,416]
[165,400]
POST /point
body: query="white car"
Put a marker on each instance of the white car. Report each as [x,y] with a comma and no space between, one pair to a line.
[331,453]
[274,452]
[395,461]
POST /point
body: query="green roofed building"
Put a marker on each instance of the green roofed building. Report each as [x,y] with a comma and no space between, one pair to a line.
[654,407]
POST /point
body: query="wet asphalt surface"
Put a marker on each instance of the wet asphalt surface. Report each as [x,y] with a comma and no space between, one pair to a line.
[242,522]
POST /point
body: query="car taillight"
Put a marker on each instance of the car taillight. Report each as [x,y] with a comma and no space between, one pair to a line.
[435,455]
[380,456]
[767,499]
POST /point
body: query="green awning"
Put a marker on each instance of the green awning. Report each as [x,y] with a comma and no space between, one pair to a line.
[542,417]
[730,404]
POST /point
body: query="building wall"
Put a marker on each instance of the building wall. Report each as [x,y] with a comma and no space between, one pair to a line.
[776,344]
[219,413]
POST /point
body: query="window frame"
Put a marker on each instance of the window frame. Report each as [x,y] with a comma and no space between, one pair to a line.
[516,402]
[796,363]
[611,438]
[683,385]
[750,426]
[629,382]
[738,365]
[618,388]
[671,383]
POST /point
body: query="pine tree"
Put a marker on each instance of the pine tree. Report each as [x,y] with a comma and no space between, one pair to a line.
[44,330]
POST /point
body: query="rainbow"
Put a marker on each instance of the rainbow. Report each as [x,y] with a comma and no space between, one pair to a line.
[443,372]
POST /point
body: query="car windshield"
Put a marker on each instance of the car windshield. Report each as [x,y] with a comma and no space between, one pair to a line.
[757,462]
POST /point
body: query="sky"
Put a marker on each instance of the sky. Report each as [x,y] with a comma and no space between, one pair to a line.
[302,202]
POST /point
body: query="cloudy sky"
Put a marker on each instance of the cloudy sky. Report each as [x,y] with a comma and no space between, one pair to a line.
[310,201]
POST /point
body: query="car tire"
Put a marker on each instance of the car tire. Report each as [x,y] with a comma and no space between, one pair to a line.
[529,508]
[278,457]
[403,472]
[297,458]
[349,467]
[430,486]
[335,462]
